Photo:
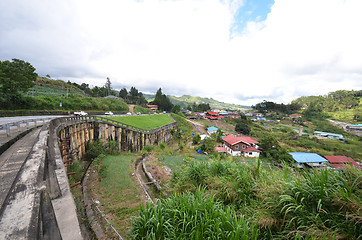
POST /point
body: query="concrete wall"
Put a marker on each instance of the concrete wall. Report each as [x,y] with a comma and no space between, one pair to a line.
[76,134]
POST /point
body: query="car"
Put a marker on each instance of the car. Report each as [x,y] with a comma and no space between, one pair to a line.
[80,113]
[109,113]
[129,113]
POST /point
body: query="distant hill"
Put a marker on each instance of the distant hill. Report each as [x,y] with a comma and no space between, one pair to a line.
[187,99]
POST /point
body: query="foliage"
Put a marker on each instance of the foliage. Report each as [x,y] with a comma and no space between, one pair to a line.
[272,149]
[267,106]
[183,125]
[162,101]
[196,139]
[142,110]
[202,107]
[146,122]
[116,190]
[16,77]
[94,149]
[208,145]
[191,216]
[242,128]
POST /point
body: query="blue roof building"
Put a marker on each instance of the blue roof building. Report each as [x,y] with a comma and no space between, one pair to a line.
[329,135]
[308,159]
[211,130]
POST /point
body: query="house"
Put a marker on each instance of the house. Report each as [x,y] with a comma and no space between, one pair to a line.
[213,116]
[355,127]
[308,159]
[295,116]
[329,135]
[152,107]
[241,146]
[211,130]
[341,161]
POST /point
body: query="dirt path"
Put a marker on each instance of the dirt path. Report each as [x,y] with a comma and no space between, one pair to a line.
[131,108]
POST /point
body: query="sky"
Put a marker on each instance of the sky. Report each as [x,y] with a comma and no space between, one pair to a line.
[236,51]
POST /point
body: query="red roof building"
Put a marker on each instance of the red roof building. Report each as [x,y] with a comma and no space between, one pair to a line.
[220,149]
[213,116]
[341,161]
[238,146]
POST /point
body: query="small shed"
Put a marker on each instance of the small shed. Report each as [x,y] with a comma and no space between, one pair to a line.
[211,130]
[341,162]
[304,159]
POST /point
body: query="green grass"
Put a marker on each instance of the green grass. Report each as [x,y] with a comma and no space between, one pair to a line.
[146,122]
[119,194]
[175,162]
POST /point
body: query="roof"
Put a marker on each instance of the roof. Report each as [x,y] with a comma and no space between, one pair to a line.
[220,149]
[211,129]
[302,157]
[328,134]
[152,106]
[251,149]
[234,140]
[212,113]
[341,161]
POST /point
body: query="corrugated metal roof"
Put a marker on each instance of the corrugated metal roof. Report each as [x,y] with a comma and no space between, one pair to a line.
[302,157]
[251,149]
[341,161]
[211,129]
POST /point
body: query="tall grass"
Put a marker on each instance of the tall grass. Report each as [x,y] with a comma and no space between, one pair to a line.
[325,200]
[191,216]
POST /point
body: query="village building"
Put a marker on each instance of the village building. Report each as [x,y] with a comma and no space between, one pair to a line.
[154,108]
[329,135]
[341,162]
[211,130]
[295,116]
[308,160]
[213,116]
[241,146]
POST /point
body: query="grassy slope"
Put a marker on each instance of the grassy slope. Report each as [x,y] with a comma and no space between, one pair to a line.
[146,122]
[117,191]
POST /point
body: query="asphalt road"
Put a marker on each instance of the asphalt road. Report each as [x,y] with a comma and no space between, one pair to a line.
[6,120]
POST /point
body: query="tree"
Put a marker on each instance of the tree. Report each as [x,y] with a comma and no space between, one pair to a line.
[208,145]
[162,101]
[196,139]
[108,86]
[16,77]
[123,93]
[242,127]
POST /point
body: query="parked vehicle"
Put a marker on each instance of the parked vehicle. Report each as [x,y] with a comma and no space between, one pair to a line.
[109,113]
[80,113]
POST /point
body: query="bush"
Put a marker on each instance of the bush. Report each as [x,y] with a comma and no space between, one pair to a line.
[242,127]
[94,149]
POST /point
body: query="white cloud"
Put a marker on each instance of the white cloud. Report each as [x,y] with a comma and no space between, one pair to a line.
[302,48]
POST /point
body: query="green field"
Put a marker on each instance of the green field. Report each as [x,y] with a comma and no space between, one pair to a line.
[146,122]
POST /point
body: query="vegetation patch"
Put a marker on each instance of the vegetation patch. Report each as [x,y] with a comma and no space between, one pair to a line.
[147,122]
[114,186]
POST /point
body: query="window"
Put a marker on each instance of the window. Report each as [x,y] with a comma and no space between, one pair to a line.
[236,146]
[250,153]
[244,146]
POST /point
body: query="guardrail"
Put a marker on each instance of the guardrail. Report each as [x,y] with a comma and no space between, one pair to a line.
[18,124]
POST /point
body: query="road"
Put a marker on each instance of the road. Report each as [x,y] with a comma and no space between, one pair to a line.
[6,120]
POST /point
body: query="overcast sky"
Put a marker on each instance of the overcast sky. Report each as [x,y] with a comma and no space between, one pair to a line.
[237,51]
